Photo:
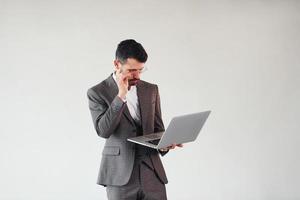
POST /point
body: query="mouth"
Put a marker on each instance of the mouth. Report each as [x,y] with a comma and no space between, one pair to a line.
[133,81]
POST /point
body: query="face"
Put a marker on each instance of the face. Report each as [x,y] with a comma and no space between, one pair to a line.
[133,67]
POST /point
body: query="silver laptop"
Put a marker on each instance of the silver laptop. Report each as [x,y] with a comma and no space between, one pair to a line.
[182,129]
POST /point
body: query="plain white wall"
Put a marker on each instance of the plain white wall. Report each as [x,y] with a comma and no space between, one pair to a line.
[238,58]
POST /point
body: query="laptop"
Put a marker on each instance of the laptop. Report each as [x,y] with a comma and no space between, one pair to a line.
[182,129]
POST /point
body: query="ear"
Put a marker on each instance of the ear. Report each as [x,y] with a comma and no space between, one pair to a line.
[117,64]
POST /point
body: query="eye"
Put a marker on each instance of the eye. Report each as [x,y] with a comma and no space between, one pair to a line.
[137,70]
[132,70]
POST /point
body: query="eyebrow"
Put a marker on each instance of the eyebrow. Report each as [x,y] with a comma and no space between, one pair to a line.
[136,69]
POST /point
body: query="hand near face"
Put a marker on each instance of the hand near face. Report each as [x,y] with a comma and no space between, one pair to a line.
[122,82]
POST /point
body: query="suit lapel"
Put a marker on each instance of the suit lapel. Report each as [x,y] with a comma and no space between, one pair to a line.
[142,99]
[113,92]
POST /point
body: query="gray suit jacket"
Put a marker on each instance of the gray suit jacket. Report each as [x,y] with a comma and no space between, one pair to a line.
[112,121]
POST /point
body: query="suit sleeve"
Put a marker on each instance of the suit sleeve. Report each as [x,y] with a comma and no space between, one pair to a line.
[105,117]
[158,122]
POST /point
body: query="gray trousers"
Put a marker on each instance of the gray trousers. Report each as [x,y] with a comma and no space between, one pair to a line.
[143,184]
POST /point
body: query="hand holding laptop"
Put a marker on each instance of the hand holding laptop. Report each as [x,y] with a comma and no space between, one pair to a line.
[171,147]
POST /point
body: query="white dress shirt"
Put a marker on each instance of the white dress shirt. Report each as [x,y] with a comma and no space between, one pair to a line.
[132,102]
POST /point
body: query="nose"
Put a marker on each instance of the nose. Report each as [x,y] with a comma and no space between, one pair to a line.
[136,75]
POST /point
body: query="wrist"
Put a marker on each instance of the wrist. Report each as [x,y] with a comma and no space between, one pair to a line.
[122,97]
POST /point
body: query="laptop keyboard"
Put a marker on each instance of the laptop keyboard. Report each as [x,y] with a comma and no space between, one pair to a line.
[155,142]
[152,136]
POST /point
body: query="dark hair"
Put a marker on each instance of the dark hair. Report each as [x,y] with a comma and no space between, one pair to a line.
[131,49]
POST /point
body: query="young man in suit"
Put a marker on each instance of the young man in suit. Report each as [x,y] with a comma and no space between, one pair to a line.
[123,106]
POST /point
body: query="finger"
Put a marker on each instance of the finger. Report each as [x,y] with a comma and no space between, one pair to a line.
[179,145]
[119,72]
[125,78]
[122,78]
[125,73]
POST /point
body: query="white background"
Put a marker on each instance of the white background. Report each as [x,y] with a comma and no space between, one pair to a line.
[239,59]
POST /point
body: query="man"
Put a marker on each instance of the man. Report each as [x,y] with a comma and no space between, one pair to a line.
[123,106]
